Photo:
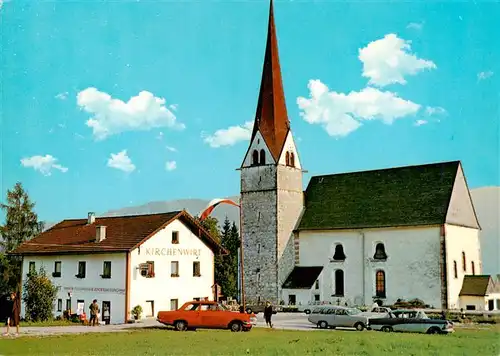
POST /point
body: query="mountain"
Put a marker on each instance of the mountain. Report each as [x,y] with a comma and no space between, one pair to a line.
[486,202]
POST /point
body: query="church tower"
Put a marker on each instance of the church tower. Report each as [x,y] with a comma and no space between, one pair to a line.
[271,187]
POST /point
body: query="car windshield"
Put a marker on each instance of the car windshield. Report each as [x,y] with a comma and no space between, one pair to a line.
[353,311]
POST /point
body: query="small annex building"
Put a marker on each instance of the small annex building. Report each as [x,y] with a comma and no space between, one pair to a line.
[157,261]
[480,293]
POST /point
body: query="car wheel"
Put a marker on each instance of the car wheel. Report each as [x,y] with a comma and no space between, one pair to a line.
[359,326]
[323,324]
[235,326]
[180,325]
[433,330]
[386,329]
[249,310]
[307,311]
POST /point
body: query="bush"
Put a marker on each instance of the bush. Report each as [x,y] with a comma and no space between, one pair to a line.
[39,296]
[136,312]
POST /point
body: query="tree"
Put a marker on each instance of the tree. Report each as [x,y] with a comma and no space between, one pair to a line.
[231,242]
[211,224]
[39,296]
[21,225]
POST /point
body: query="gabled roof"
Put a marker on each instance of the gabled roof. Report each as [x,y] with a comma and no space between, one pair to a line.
[302,277]
[271,117]
[402,196]
[123,234]
[479,285]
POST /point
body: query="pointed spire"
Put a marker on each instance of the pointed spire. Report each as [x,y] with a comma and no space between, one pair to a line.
[271,118]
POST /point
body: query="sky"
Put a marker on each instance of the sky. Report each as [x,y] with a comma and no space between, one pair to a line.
[111,104]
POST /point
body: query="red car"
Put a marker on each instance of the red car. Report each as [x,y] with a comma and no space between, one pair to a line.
[206,315]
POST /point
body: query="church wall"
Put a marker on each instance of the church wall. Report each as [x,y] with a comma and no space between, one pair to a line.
[302,296]
[411,269]
[258,143]
[290,147]
[461,208]
[461,239]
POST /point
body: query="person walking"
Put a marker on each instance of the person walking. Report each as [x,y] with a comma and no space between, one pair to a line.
[13,315]
[268,313]
[94,311]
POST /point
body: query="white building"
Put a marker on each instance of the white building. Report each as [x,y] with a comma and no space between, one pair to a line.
[480,293]
[157,261]
[397,233]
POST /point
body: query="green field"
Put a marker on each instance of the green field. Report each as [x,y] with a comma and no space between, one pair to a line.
[483,341]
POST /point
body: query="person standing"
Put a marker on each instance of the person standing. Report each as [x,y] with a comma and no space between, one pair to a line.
[14,313]
[94,311]
[268,313]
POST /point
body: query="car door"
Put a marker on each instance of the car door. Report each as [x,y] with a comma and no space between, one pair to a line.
[210,317]
[191,313]
[341,318]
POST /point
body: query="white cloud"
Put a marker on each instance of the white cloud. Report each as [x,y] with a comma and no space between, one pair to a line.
[484,75]
[420,122]
[433,111]
[160,136]
[173,106]
[415,25]
[341,114]
[62,96]
[121,161]
[388,60]
[113,116]
[170,165]
[43,164]
[229,136]
[171,149]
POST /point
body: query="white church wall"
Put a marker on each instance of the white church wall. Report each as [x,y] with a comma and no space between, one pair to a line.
[290,146]
[461,239]
[301,296]
[411,269]
[258,144]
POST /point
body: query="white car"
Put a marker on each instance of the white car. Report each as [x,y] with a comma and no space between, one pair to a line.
[307,308]
[411,321]
[336,316]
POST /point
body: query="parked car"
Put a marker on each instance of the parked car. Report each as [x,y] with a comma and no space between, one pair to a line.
[259,308]
[411,320]
[336,316]
[377,312]
[307,308]
[206,315]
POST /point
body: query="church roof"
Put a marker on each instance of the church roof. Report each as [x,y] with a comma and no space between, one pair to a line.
[271,117]
[302,277]
[402,196]
[479,285]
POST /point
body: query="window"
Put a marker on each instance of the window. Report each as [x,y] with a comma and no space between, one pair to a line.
[196,269]
[174,269]
[292,159]
[380,252]
[32,267]
[291,299]
[316,284]
[339,283]
[470,307]
[82,266]
[68,304]
[106,269]
[262,157]
[455,271]
[339,253]
[316,297]
[497,302]
[57,269]
[255,158]
[287,158]
[175,237]
[473,268]
[59,305]
[464,262]
[491,304]
[174,304]
[380,284]
[151,269]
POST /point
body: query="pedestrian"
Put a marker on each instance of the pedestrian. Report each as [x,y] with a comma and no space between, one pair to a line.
[13,315]
[443,315]
[268,313]
[94,311]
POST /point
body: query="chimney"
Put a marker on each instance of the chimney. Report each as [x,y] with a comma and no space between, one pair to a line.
[91,218]
[100,234]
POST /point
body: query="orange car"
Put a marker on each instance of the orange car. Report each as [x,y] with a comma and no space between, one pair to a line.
[206,315]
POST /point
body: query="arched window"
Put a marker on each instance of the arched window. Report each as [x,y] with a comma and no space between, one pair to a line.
[473,268]
[455,271]
[255,157]
[292,159]
[339,283]
[380,252]
[464,262]
[339,253]
[262,157]
[380,284]
[287,158]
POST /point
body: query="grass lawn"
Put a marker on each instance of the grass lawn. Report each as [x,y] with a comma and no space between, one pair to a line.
[47,323]
[259,341]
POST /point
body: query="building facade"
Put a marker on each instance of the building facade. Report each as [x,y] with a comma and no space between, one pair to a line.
[156,261]
[480,293]
[388,234]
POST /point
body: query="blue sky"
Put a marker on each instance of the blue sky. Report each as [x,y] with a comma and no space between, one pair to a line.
[381,84]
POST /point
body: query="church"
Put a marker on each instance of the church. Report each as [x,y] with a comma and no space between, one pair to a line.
[351,238]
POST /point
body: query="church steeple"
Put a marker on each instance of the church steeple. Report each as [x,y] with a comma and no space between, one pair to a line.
[271,117]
